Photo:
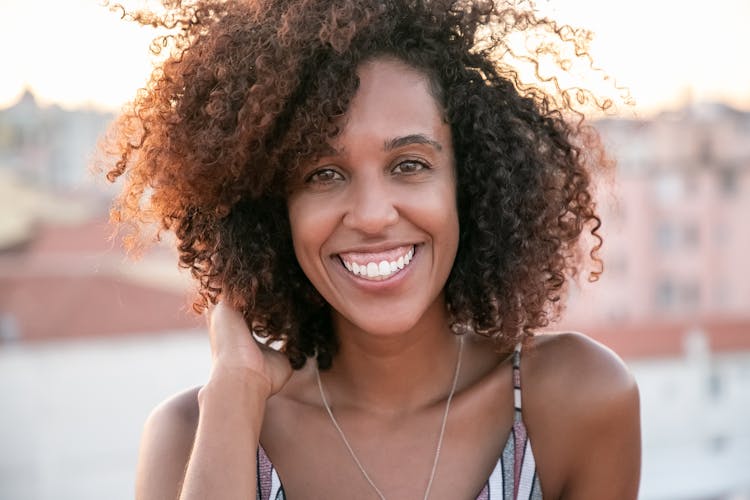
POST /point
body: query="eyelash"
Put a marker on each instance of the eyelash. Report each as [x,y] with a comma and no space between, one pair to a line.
[422,166]
[334,175]
[314,176]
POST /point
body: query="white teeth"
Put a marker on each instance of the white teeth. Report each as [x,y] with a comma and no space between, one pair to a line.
[381,269]
[384,268]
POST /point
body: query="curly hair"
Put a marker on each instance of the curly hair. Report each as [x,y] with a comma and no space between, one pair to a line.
[251,90]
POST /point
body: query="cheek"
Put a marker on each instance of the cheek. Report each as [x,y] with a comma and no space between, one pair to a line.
[445,225]
[440,209]
[309,223]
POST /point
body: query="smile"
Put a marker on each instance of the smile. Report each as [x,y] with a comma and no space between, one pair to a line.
[377,266]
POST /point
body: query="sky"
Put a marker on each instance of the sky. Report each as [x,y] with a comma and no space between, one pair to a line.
[77,53]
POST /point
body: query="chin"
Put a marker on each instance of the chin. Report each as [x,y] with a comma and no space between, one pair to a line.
[385,325]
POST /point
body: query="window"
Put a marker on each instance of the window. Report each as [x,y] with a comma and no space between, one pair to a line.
[665,293]
[669,187]
[666,237]
[692,235]
[691,295]
[9,329]
[728,182]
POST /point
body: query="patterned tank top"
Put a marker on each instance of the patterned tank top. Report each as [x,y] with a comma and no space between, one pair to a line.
[513,478]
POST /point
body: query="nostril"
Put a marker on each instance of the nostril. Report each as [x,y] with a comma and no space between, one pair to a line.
[371,216]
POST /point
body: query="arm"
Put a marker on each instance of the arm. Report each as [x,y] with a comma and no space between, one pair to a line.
[584,419]
[165,447]
[607,463]
[222,464]
[202,444]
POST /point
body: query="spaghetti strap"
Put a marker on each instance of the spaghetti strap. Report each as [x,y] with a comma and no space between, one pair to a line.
[525,478]
[517,382]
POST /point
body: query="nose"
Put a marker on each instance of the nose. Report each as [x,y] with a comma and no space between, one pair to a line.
[371,207]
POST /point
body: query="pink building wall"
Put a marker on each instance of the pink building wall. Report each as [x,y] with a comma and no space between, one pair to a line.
[676,221]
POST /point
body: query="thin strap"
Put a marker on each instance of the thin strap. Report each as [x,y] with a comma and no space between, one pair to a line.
[517,381]
[265,474]
[520,438]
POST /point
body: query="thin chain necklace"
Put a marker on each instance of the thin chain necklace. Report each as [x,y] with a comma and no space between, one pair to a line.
[440,438]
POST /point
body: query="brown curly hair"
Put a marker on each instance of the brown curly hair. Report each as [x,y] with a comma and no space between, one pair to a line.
[251,90]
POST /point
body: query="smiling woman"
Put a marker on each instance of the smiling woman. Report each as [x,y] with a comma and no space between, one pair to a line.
[388,194]
[370,186]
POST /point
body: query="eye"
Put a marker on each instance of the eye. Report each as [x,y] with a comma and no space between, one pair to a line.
[323,176]
[409,167]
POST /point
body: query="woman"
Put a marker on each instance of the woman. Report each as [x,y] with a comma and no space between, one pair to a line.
[370,187]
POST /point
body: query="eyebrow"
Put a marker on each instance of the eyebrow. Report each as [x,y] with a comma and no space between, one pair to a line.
[390,144]
[406,140]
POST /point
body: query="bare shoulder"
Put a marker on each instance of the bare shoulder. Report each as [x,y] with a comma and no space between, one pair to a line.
[581,406]
[179,409]
[165,446]
[577,368]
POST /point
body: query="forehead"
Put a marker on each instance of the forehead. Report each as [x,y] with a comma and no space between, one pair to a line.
[393,99]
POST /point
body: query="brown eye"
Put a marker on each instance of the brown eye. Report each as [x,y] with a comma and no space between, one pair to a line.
[323,176]
[409,167]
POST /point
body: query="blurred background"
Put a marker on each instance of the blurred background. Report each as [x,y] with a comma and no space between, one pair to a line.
[90,341]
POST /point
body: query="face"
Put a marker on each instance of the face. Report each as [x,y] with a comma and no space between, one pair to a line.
[374,223]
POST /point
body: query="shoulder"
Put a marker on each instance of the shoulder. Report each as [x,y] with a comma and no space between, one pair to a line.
[574,368]
[178,409]
[173,420]
[581,406]
[165,446]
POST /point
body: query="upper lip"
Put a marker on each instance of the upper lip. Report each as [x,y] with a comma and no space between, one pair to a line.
[380,247]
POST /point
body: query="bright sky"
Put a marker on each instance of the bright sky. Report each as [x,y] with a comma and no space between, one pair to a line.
[75,52]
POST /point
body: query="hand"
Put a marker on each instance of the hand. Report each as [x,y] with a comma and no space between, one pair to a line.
[233,347]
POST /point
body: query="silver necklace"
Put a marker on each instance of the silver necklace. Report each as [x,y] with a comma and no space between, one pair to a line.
[440,438]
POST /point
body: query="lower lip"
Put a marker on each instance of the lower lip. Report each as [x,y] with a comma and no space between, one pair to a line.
[379,285]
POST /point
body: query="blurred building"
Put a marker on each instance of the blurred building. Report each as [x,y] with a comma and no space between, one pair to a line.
[61,276]
[676,232]
[694,381]
[71,280]
[49,146]
[674,300]
[90,340]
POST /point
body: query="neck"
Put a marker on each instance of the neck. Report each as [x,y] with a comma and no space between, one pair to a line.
[395,373]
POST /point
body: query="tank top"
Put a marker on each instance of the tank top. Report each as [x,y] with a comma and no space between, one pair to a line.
[513,478]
